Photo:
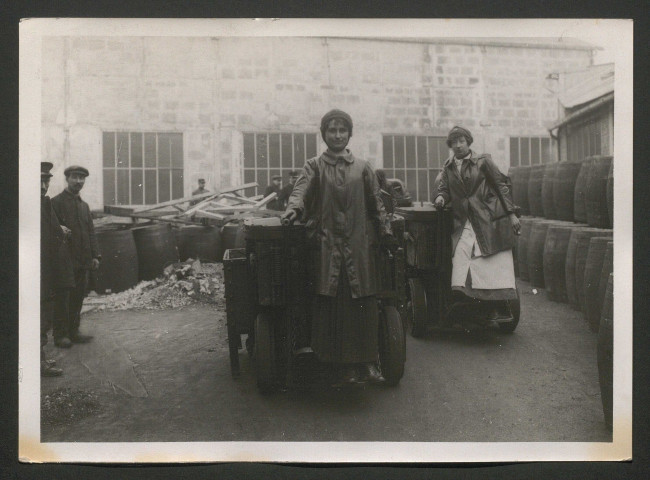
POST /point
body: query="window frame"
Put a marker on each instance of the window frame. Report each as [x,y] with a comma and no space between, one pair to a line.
[539,151]
[402,172]
[175,169]
[252,168]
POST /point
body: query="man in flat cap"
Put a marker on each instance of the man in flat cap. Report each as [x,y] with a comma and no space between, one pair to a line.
[285,193]
[56,270]
[275,187]
[199,191]
[74,213]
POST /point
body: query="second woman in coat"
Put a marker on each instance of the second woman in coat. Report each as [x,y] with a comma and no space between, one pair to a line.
[338,197]
[484,222]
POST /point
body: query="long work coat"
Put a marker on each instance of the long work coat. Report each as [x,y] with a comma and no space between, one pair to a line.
[56,266]
[74,213]
[338,196]
[479,194]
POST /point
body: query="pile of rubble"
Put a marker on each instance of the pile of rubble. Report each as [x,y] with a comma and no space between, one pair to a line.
[181,284]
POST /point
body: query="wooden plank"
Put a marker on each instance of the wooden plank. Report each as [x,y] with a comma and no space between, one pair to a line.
[170,203]
[119,211]
[265,200]
[163,219]
[204,214]
[202,204]
[238,199]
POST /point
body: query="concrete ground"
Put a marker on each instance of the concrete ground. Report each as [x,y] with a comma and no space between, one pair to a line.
[165,376]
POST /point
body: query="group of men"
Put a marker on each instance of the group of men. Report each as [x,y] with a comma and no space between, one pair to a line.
[69,250]
[283,193]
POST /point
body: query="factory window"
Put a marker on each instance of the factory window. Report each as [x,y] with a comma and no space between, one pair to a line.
[416,160]
[142,168]
[530,151]
[268,154]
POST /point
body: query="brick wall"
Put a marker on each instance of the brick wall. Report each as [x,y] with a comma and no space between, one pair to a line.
[213,89]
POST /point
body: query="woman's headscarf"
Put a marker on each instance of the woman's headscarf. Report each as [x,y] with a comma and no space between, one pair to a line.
[456,132]
[331,115]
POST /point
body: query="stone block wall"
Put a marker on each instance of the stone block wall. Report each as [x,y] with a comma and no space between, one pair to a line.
[214,89]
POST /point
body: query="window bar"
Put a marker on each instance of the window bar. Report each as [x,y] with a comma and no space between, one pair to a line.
[129,169]
[255,159]
[115,167]
[157,172]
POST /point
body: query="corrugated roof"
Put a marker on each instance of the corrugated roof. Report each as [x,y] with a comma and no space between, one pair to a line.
[587,85]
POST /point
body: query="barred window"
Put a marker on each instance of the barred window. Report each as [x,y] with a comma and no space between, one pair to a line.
[142,168]
[526,151]
[416,160]
[268,154]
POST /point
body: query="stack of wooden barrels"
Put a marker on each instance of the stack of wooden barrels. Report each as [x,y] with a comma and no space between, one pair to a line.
[130,255]
[566,242]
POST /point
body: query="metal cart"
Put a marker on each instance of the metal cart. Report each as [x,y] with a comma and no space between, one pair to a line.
[269,297]
[430,302]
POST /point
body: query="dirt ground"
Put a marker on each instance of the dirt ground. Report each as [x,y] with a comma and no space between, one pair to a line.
[165,376]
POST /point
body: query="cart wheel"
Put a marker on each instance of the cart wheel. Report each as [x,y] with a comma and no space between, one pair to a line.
[392,345]
[264,353]
[515,309]
[418,308]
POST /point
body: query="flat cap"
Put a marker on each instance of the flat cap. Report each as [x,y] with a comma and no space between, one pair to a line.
[276,177]
[45,169]
[76,169]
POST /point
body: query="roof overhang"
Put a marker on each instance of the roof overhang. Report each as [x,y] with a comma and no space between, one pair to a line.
[588,108]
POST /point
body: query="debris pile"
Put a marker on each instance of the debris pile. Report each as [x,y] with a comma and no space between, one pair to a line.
[65,405]
[181,284]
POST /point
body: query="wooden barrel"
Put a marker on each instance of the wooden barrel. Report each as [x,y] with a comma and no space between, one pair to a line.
[596,192]
[118,270]
[593,270]
[535,252]
[605,352]
[548,183]
[520,177]
[610,194]
[582,248]
[232,236]
[564,188]
[608,267]
[579,208]
[570,266]
[522,247]
[555,251]
[156,246]
[535,181]
[198,242]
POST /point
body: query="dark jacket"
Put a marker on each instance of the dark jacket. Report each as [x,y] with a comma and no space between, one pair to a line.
[56,265]
[275,203]
[475,196]
[338,197]
[74,213]
[283,196]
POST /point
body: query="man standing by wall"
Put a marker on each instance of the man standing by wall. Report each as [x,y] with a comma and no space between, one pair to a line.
[74,213]
[285,193]
[276,181]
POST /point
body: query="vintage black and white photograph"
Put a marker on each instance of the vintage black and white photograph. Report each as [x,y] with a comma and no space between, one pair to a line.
[325,240]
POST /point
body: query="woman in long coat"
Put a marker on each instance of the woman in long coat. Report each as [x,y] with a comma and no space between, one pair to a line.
[338,197]
[484,222]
